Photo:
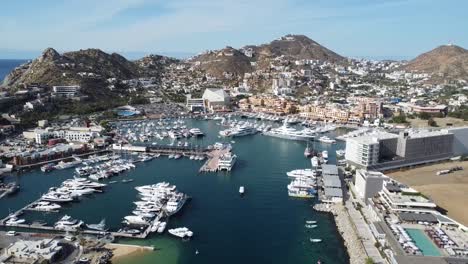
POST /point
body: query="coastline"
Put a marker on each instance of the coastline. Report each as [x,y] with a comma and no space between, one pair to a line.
[345,227]
[123,250]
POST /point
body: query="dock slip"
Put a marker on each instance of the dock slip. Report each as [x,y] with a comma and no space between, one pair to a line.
[211,165]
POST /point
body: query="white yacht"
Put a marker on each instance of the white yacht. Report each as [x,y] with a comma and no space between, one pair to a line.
[66,165]
[227,161]
[14,221]
[196,132]
[174,134]
[68,224]
[162,227]
[45,206]
[325,156]
[314,161]
[325,139]
[136,220]
[340,152]
[300,192]
[181,232]
[57,197]
[238,131]
[101,226]
[290,133]
[175,204]
[302,173]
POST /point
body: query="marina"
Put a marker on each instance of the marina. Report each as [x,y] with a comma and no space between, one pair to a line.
[215,205]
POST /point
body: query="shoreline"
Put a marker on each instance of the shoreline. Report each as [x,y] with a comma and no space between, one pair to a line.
[352,244]
[123,250]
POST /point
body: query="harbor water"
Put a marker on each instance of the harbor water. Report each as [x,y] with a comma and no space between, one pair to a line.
[263,226]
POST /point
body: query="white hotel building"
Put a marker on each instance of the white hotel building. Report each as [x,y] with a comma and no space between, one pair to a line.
[365,150]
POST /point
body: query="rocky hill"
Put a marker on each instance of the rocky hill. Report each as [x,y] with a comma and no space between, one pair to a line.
[154,65]
[77,67]
[447,61]
[296,47]
[238,62]
[218,63]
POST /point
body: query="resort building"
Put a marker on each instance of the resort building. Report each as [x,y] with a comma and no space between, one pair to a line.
[401,198]
[195,104]
[41,136]
[460,140]
[384,151]
[368,183]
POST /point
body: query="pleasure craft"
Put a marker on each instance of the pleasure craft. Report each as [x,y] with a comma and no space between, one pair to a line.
[136,220]
[196,132]
[175,204]
[14,221]
[56,197]
[99,227]
[227,161]
[302,173]
[241,190]
[325,139]
[286,132]
[45,206]
[340,152]
[181,232]
[162,227]
[315,240]
[314,161]
[66,165]
[325,156]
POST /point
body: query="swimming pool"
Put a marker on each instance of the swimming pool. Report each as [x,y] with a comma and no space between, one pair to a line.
[423,243]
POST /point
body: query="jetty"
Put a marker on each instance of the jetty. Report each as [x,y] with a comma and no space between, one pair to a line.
[211,164]
[182,150]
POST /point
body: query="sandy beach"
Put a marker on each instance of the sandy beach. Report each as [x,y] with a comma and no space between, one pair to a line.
[123,250]
[449,191]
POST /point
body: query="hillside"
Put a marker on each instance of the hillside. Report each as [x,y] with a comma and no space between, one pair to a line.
[447,61]
[291,47]
[296,47]
[219,62]
[77,67]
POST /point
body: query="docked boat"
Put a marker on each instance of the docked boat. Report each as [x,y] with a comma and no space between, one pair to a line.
[67,223]
[196,132]
[238,131]
[14,221]
[45,206]
[162,227]
[325,139]
[340,152]
[66,165]
[181,232]
[135,220]
[48,167]
[101,226]
[307,151]
[175,204]
[57,197]
[325,156]
[315,161]
[227,161]
[302,173]
[290,133]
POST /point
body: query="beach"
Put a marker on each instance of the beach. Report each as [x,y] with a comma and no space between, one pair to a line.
[123,250]
[449,191]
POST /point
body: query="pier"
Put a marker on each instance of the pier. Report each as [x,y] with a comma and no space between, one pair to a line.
[172,150]
[211,165]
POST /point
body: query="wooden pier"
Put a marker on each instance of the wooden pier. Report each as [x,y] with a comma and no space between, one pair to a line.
[181,150]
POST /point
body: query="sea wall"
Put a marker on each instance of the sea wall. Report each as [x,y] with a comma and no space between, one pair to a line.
[352,243]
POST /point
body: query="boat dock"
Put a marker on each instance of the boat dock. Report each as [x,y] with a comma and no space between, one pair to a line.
[211,165]
[172,150]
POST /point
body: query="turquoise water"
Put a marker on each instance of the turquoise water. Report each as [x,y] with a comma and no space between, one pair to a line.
[264,226]
[126,113]
[422,242]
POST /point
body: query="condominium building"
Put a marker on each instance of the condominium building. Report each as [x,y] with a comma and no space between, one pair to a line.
[365,151]
[66,91]
[401,198]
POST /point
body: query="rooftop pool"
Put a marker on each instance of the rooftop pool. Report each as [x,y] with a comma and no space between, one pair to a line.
[423,242]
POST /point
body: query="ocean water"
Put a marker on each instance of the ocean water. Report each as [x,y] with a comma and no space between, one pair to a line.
[263,226]
[7,65]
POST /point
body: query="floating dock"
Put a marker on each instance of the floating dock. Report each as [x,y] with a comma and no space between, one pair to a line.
[211,165]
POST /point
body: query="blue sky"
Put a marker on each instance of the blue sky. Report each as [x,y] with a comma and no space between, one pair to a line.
[372,28]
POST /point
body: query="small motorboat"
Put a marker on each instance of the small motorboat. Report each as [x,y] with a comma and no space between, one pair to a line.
[241,190]
[310,226]
[315,240]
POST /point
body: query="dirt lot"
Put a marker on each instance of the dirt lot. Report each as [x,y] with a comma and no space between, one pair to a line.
[449,191]
[441,122]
